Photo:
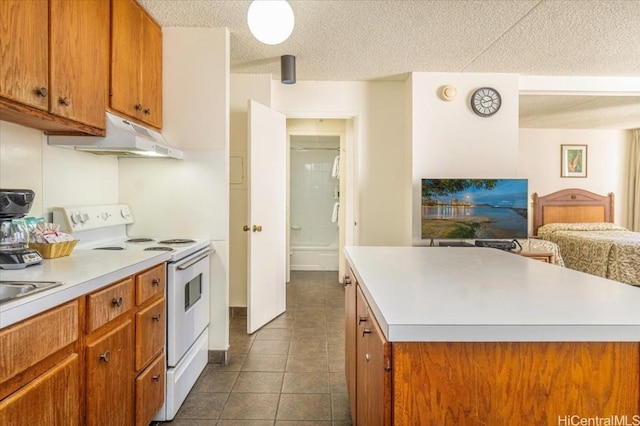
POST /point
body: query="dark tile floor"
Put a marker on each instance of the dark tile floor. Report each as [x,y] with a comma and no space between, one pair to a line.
[291,372]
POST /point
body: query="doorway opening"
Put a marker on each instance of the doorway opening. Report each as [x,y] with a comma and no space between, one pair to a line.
[315,236]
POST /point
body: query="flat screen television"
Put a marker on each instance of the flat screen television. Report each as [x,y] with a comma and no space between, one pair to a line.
[474,208]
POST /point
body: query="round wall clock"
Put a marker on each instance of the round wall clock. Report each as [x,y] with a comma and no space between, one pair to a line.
[486,101]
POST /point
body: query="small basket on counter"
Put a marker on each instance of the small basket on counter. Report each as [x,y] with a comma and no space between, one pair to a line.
[53,250]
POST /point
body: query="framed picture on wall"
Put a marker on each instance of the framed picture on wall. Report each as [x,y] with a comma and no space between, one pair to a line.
[573,161]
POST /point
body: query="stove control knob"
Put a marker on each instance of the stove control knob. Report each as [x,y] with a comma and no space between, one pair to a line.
[76,218]
[84,218]
[105,215]
[125,213]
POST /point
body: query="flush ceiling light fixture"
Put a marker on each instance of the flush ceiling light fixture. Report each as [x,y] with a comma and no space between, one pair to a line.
[288,69]
[270,21]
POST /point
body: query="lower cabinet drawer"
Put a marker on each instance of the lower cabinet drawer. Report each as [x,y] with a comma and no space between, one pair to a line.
[109,303]
[30,341]
[150,392]
[150,332]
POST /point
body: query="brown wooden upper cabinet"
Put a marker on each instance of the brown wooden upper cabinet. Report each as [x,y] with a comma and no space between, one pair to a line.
[55,64]
[136,63]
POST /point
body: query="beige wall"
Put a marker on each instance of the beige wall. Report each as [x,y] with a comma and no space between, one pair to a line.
[607,162]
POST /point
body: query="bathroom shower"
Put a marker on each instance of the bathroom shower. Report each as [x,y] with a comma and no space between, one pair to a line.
[314,203]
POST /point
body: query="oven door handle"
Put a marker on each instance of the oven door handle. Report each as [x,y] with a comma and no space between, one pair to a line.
[192,262]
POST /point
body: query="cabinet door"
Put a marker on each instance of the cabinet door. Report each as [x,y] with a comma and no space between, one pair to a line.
[24,52]
[373,366]
[110,378]
[51,399]
[350,333]
[151,70]
[79,58]
[150,392]
[126,39]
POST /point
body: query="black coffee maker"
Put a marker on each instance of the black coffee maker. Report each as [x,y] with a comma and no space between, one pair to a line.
[14,237]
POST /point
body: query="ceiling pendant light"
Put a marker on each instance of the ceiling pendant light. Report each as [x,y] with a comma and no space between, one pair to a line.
[270,21]
[288,69]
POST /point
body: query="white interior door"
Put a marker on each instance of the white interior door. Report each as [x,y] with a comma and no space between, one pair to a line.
[266,277]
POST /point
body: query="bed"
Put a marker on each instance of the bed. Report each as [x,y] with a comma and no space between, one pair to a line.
[581,224]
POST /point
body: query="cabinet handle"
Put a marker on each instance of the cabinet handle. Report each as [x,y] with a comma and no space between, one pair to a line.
[42,92]
[388,366]
[347,280]
[147,111]
[361,320]
[65,101]
[365,331]
[116,302]
[104,357]
[367,357]
[138,107]
[156,317]
[155,282]
[156,378]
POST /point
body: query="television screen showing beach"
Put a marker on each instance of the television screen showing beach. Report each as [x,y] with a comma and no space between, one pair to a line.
[474,208]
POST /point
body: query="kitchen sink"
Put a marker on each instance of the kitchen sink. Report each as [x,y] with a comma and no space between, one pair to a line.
[10,290]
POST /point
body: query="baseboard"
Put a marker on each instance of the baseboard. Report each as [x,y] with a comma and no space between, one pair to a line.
[237,311]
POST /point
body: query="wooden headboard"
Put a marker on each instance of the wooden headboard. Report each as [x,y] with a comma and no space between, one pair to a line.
[571,205]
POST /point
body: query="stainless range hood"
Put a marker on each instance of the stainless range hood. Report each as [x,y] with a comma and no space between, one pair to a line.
[124,139]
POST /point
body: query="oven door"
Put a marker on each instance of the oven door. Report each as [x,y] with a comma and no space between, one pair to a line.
[187,303]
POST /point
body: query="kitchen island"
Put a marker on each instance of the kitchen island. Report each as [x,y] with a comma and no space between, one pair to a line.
[465,336]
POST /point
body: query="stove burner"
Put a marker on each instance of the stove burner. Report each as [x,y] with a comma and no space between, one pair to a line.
[158,249]
[139,240]
[109,248]
[177,241]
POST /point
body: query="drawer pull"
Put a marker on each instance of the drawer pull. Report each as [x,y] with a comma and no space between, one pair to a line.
[116,302]
[155,282]
[156,378]
[65,101]
[156,317]
[361,320]
[105,356]
[147,111]
[138,107]
[347,280]
[365,331]
[42,92]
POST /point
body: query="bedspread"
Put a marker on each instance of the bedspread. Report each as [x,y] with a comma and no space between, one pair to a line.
[602,249]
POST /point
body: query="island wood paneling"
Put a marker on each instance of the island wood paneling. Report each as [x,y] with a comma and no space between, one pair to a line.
[520,383]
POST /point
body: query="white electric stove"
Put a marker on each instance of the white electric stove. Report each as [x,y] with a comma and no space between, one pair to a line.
[104,227]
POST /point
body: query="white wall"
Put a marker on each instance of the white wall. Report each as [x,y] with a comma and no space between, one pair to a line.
[607,162]
[190,198]
[450,141]
[58,176]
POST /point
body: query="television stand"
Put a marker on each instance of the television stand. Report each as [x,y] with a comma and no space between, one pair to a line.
[454,244]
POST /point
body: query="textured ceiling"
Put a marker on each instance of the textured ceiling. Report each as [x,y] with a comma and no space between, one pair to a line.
[385,40]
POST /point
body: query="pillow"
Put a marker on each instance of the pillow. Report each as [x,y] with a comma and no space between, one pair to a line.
[594,226]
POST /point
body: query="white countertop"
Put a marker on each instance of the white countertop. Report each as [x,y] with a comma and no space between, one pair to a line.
[83,271]
[450,294]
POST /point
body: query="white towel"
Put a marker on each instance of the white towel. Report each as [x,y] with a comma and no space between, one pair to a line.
[334,215]
[335,170]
